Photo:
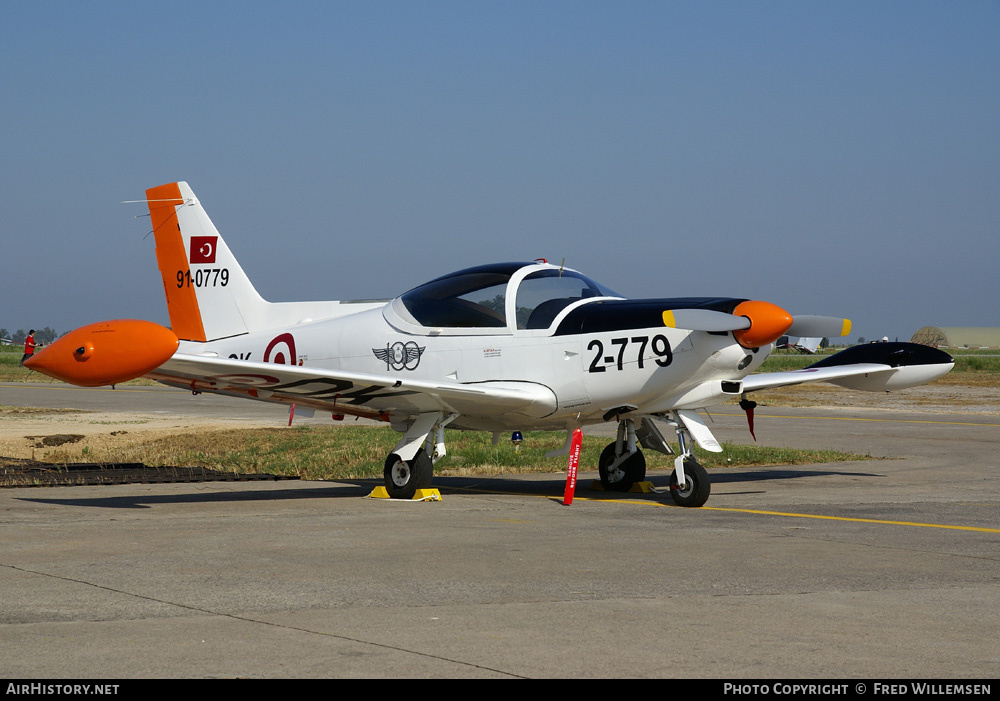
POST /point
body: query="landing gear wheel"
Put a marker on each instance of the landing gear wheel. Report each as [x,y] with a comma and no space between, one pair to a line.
[696,487]
[404,477]
[621,478]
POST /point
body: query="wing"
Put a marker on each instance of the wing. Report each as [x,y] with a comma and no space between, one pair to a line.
[770,380]
[358,394]
[874,367]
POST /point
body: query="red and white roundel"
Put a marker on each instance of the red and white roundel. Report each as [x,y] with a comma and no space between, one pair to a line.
[283,346]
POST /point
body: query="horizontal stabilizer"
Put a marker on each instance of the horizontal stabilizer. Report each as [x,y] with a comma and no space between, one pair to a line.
[209,295]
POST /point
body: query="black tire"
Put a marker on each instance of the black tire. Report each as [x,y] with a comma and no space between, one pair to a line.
[696,488]
[629,472]
[403,478]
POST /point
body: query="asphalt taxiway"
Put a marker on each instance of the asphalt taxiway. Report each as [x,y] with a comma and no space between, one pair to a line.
[871,569]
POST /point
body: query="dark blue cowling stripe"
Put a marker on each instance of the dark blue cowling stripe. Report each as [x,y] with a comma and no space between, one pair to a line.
[620,315]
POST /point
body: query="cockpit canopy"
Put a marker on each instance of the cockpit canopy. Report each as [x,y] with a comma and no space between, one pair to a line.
[523,296]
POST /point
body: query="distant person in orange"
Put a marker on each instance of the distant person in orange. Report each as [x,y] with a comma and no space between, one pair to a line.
[29,346]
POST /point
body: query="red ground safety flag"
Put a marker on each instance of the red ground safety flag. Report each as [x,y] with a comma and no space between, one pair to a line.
[748,406]
[574,462]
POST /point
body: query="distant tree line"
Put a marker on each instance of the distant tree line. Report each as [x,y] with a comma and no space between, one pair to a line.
[46,335]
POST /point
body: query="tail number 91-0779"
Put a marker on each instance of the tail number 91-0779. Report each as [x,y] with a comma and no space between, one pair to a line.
[659,346]
[208,277]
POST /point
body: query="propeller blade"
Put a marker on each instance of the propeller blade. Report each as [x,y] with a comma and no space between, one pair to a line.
[757,323]
[703,320]
[812,326]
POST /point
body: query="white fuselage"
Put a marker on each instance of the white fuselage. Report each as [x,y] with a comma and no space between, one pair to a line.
[652,369]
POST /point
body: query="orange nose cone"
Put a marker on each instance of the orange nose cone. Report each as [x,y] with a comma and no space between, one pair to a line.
[106,353]
[768,322]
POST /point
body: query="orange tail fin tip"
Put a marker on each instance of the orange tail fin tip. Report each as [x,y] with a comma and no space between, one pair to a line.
[182,301]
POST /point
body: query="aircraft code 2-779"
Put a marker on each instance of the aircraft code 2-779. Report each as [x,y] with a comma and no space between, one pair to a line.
[660,347]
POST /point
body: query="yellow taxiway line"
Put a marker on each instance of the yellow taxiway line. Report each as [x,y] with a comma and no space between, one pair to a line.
[859,418]
[786,514]
[856,520]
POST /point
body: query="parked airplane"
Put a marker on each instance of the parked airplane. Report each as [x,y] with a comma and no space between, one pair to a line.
[802,345]
[500,347]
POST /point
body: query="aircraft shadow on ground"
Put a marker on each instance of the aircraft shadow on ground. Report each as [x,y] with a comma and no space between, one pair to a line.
[497,485]
[588,486]
[145,501]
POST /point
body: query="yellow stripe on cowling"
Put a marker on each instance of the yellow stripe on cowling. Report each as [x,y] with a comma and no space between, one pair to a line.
[847,327]
[668,319]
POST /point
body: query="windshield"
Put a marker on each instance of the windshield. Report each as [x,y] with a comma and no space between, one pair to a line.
[545,293]
[468,299]
[477,297]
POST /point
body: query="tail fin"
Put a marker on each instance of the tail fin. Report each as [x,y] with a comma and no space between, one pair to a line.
[208,294]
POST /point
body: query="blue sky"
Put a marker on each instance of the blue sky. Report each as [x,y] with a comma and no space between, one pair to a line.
[831,157]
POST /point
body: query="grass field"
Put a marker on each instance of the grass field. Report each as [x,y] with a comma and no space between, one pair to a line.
[347,452]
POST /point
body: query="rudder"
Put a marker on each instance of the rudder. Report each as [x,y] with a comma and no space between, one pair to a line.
[208,294]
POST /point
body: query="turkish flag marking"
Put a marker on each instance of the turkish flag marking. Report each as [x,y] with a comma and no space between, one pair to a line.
[203,249]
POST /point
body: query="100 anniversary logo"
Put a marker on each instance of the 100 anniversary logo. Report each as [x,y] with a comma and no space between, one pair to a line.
[399,355]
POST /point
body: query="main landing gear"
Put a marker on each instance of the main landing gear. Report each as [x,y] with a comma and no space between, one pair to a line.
[404,477]
[622,463]
[410,465]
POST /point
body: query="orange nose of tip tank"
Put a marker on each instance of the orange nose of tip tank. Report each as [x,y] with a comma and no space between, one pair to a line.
[106,353]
